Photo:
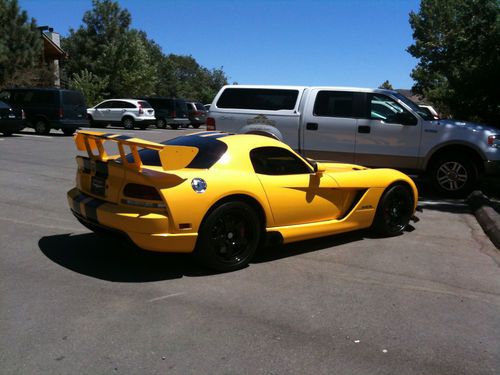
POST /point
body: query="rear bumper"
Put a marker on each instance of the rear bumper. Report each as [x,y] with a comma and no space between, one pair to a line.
[145,121]
[178,121]
[148,230]
[13,125]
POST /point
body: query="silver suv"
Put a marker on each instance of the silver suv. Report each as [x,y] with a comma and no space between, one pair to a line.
[129,113]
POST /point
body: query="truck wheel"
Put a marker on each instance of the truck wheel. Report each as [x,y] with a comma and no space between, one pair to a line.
[453,175]
[128,123]
[41,127]
[229,237]
[393,212]
[161,123]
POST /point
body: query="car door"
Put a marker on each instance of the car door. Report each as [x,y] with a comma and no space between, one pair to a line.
[102,112]
[388,135]
[295,193]
[329,125]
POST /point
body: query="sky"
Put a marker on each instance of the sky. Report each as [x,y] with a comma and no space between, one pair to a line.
[357,43]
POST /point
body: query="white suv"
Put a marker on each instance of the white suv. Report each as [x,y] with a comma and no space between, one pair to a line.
[129,113]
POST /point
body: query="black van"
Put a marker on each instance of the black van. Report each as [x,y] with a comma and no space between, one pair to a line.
[168,111]
[47,109]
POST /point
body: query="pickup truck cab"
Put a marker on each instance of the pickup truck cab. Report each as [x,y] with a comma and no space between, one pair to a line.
[370,127]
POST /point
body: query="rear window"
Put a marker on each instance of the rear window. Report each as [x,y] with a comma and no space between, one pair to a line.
[261,99]
[210,151]
[334,104]
[73,98]
[145,104]
[199,106]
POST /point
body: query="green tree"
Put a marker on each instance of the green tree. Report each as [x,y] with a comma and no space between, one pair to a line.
[91,86]
[386,85]
[458,47]
[20,48]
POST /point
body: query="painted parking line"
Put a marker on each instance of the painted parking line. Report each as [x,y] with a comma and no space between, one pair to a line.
[35,136]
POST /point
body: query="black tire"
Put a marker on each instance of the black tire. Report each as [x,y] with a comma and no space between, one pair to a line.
[128,123]
[161,123]
[229,237]
[41,127]
[174,126]
[394,211]
[69,131]
[453,175]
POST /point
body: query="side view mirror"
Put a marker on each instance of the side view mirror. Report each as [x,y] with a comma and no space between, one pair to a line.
[319,168]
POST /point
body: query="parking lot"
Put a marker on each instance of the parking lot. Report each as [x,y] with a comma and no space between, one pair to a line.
[426,302]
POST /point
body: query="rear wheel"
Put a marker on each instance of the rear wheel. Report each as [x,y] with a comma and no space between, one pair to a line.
[394,211]
[229,237]
[128,123]
[41,127]
[453,175]
[161,123]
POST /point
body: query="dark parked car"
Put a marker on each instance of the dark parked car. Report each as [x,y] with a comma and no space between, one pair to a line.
[47,109]
[168,111]
[11,119]
[197,113]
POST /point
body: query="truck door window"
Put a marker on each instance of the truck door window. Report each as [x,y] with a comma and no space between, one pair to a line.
[334,104]
[386,109]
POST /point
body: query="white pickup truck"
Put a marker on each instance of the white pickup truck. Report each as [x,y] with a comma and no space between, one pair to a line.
[370,127]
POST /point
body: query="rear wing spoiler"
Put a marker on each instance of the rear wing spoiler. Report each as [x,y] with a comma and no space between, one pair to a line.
[171,157]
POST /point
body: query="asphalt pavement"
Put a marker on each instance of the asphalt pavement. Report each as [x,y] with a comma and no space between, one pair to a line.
[425,302]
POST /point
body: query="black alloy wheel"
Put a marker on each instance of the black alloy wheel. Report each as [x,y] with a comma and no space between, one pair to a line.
[229,237]
[394,211]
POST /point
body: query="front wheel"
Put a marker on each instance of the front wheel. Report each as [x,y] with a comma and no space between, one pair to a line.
[453,175]
[394,211]
[229,237]
[128,123]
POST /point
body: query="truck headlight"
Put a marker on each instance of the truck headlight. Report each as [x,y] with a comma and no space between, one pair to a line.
[494,140]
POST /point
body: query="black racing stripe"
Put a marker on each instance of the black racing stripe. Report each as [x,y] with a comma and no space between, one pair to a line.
[106,135]
[101,169]
[76,203]
[123,137]
[91,209]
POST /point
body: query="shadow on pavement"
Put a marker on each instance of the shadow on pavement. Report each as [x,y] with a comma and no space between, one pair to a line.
[114,260]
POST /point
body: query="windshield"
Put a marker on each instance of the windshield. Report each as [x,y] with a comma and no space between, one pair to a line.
[414,107]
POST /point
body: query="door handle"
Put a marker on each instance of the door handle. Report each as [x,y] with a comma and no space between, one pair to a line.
[364,129]
[312,126]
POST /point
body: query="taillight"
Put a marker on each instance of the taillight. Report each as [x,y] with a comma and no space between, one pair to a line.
[141,111]
[23,115]
[61,113]
[174,114]
[145,192]
[210,123]
[141,192]
[494,140]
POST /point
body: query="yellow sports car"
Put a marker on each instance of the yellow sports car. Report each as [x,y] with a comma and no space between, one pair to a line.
[220,195]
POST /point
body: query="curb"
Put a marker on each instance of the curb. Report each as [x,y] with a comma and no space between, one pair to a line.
[486,215]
